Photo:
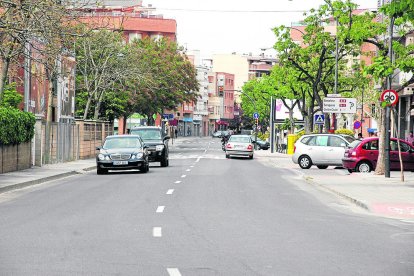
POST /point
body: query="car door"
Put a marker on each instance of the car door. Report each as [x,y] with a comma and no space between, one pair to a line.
[336,150]
[407,156]
[320,151]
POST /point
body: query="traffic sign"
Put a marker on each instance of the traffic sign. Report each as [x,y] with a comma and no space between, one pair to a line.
[318,119]
[256,115]
[390,97]
[357,124]
[339,105]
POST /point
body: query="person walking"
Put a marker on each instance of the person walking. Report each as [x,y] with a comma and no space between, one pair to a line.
[360,136]
[410,139]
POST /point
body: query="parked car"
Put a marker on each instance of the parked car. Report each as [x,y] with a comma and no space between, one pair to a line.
[239,145]
[261,144]
[322,150]
[122,152]
[157,142]
[362,155]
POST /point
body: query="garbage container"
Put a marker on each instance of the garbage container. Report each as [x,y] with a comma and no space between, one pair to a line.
[291,139]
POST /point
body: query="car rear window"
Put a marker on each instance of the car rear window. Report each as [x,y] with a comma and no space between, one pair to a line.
[350,139]
[239,139]
[354,144]
[147,134]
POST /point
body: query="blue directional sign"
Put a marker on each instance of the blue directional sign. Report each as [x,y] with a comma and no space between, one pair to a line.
[256,115]
[318,119]
[168,116]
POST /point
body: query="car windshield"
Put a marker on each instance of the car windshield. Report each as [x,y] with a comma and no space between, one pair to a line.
[148,134]
[239,139]
[124,142]
[348,138]
[354,144]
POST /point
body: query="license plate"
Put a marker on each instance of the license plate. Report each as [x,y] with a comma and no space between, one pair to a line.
[120,163]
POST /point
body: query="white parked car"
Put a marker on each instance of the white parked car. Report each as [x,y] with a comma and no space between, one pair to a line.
[322,150]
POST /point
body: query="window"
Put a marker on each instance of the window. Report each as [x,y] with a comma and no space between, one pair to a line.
[336,142]
[394,146]
[371,145]
[322,141]
[134,36]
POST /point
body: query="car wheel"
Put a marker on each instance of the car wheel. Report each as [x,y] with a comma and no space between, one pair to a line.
[164,162]
[305,162]
[227,156]
[322,167]
[251,156]
[101,171]
[364,167]
[146,168]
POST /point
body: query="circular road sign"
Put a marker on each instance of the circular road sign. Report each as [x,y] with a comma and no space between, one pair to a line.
[357,124]
[256,115]
[390,96]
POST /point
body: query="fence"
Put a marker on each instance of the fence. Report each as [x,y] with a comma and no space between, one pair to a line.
[64,142]
[15,157]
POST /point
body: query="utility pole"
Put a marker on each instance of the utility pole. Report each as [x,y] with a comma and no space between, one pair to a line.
[388,108]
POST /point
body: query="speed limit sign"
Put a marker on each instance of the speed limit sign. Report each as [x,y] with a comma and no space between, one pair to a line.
[390,97]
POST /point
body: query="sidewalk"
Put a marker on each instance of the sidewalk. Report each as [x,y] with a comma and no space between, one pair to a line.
[37,175]
[386,197]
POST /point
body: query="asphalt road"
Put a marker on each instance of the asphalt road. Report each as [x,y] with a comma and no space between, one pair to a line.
[202,215]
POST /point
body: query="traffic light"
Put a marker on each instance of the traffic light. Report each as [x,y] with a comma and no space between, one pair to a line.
[221,91]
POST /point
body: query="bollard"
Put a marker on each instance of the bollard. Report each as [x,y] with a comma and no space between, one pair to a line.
[291,139]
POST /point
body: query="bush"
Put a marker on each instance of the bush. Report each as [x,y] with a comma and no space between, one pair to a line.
[16,126]
[11,97]
[264,136]
[344,131]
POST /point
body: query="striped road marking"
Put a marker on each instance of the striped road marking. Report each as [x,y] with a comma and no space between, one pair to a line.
[173,272]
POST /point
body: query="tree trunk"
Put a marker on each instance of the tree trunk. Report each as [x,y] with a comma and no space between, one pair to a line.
[88,104]
[380,169]
[98,106]
[3,77]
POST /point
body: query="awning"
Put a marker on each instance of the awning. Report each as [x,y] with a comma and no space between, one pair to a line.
[371,130]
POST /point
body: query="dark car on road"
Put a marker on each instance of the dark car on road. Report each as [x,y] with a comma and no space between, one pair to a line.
[261,144]
[362,155]
[220,134]
[122,152]
[157,142]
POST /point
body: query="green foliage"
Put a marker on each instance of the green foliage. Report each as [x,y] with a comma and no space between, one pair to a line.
[263,136]
[11,97]
[300,133]
[15,126]
[344,131]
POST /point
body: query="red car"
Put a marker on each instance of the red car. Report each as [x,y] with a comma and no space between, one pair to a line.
[361,156]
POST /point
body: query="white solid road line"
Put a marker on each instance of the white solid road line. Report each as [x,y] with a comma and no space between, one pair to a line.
[160,209]
[170,191]
[173,272]
[157,232]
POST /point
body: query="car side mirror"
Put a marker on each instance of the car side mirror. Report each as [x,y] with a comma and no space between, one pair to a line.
[98,148]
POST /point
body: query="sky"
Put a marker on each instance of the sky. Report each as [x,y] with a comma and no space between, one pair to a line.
[211,27]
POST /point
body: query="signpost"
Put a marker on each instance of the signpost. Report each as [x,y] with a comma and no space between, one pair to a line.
[318,119]
[390,97]
[339,105]
[256,115]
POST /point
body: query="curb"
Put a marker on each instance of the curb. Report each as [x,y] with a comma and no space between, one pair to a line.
[43,180]
[348,198]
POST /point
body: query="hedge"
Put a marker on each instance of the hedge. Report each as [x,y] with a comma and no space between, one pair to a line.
[344,131]
[16,126]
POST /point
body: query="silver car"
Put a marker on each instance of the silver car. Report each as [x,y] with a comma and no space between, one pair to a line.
[322,150]
[239,145]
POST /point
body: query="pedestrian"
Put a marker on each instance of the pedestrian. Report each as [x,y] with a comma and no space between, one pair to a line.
[410,139]
[175,132]
[360,136]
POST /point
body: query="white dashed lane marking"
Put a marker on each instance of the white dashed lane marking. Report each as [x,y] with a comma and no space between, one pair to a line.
[177,182]
[160,209]
[188,170]
[173,272]
[170,191]
[183,176]
[157,232]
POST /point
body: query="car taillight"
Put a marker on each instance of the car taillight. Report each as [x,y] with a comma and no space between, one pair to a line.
[294,148]
[249,147]
[228,146]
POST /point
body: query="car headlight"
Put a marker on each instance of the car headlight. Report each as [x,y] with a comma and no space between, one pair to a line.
[139,155]
[101,157]
[159,147]
[133,156]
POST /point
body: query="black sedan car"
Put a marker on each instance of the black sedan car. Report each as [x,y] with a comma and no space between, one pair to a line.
[261,144]
[122,152]
[157,142]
